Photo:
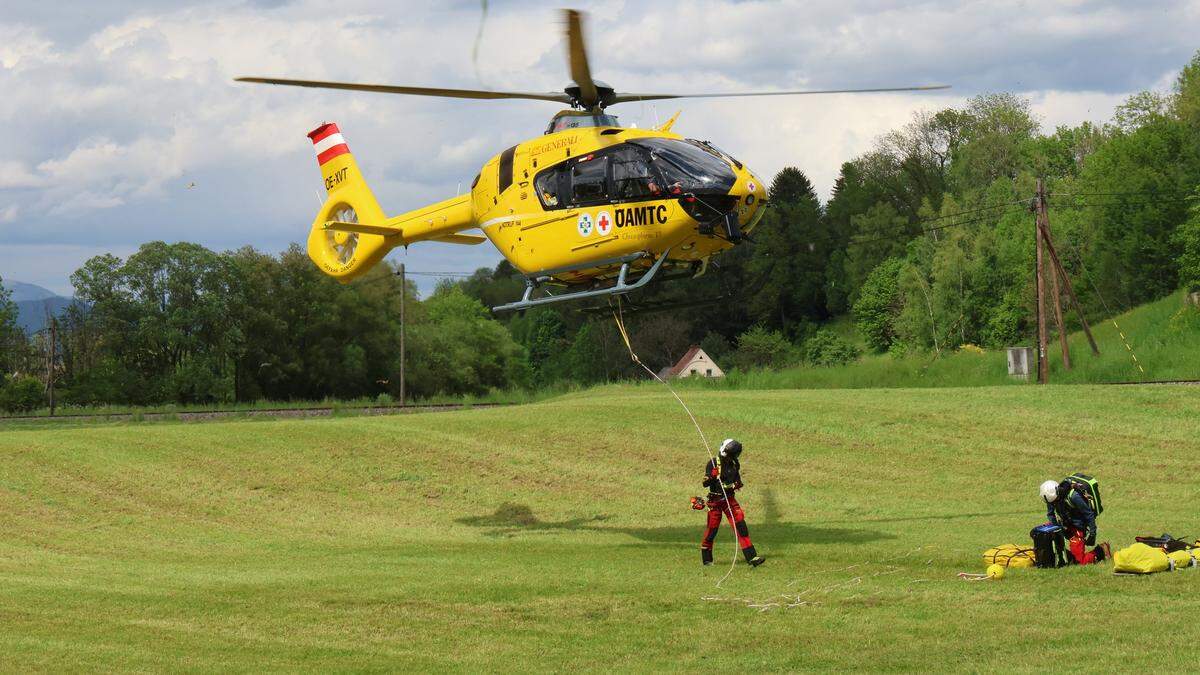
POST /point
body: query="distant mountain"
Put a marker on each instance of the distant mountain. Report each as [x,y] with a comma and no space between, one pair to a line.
[22,292]
[31,314]
[32,303]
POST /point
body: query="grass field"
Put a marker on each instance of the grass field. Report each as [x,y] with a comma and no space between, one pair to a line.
[557,536]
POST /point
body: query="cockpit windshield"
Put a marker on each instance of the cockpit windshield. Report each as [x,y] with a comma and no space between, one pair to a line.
[689,164]
[564,121]
[636,170]
[706,144]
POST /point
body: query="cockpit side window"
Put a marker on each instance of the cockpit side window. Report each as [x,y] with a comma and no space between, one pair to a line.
[547,184]
[622,173]
[589,180]
[632,175]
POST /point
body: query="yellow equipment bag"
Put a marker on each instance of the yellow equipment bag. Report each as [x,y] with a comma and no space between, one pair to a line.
[1141,559]
[1009,555]
[1181,559]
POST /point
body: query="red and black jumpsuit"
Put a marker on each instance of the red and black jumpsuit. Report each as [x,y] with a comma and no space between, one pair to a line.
[1074,513]
[724,473]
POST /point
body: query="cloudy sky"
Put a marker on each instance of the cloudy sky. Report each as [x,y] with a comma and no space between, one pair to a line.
[112,108]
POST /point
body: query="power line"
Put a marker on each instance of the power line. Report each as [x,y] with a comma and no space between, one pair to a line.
[970,211]
[969,221]
[1135,201]
[1083,268]
[443,274]
[1111,316]
[1115,194]
[906,233]
[376,280]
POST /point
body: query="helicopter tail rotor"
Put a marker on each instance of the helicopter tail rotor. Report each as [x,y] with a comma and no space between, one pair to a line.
[336,242]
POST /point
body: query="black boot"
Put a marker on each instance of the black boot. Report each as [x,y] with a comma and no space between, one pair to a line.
[752,556]
[706,556]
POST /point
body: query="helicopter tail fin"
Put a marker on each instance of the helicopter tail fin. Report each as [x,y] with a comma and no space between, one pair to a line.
[351,232]
[335,244]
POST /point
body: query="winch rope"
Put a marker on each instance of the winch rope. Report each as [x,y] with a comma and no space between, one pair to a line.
[619,318]
[813,594]
[1112,317]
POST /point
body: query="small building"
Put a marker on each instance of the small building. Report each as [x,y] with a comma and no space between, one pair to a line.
[694,362]
[1020,360]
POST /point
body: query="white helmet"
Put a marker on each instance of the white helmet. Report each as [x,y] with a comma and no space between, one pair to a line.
[730,448]
[1049,491]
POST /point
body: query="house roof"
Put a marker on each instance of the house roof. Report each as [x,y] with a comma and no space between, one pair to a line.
[687,358]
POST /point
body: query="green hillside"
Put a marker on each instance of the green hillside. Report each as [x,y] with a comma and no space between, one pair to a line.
[1164,335]
[557,536]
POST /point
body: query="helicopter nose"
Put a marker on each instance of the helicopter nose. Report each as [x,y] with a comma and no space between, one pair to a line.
[749,190]
[752,197]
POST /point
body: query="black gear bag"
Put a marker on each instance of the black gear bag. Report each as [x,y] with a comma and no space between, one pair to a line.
[1049,546]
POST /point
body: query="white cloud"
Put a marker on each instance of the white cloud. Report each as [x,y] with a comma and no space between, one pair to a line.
[15,174]
[21,44]
[108,127]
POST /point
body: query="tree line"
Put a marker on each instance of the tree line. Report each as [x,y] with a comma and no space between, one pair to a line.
[926,243]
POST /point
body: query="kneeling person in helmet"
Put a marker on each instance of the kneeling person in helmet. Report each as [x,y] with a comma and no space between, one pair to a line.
[722,477]
[1069,508]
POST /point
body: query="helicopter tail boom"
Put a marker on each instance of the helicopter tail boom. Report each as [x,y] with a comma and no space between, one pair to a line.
[351,232]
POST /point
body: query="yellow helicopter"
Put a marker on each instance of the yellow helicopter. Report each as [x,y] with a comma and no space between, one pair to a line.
[590,208]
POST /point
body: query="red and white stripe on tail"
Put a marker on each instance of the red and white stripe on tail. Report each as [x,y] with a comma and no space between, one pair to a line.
[328,142]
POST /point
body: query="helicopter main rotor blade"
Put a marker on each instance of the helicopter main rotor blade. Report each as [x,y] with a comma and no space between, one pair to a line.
[415,91]
[577,58]
[625,98]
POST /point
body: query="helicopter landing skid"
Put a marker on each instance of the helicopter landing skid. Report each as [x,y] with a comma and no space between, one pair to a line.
[619,288]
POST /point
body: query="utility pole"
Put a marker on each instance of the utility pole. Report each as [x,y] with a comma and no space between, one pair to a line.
[403,292]
[1041,292]
[1087,330]
[1043,224]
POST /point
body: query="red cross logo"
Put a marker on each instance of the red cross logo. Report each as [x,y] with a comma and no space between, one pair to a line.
[603,223]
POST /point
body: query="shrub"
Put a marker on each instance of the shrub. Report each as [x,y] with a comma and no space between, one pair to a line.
[1187,237]
[762,348]
[827,349]
[878,305]
[22,394]
[716,346]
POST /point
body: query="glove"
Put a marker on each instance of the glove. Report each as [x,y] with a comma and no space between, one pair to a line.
[698,503]
[737,485]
